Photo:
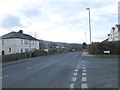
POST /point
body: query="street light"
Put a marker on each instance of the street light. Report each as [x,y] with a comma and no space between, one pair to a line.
[89,27]
[89,23]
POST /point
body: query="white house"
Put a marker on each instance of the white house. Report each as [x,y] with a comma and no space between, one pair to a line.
[114,34]
[0,46]
[18,42]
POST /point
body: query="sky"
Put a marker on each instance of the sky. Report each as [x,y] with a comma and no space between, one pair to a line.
[59,20]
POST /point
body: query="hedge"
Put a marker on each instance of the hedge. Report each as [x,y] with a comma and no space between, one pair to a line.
[100,47]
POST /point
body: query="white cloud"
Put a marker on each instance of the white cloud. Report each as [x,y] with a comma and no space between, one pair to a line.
[109,9]
[38,26]
[55,18]
[99,36]
[72,1]
[58,23]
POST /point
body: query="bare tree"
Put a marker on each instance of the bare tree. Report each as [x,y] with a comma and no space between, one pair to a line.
[34,34]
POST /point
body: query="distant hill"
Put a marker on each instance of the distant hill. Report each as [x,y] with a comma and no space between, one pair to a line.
[47,44]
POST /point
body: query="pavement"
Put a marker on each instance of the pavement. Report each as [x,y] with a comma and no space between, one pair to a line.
[65,70]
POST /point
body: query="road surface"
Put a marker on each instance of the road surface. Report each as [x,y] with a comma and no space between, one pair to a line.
[65,70]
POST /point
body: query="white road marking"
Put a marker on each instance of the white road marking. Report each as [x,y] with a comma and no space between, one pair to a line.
[84,74]
[76,70]
[84,70]
[84,67]
[83,85]
[72,85]
[84,79]
[73,79]
[4,77]
[33,66]
[75,74]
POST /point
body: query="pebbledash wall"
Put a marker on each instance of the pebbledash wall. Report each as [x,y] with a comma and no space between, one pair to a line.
[0,46]
[17,45]
[119,12]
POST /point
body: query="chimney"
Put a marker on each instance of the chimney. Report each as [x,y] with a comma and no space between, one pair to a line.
[113,28]
[20,31]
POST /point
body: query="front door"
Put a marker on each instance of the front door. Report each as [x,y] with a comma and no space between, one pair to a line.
[3,52]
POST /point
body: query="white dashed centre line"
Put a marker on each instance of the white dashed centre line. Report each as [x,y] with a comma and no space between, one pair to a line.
[76,70]
[73,79]
[84,67]
[83,85]
[84,70]
[84,79]
[4,77]
[75,74]
[84,74]
[72,85]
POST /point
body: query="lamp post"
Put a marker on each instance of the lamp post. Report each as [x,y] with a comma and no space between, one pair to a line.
[89,23]
[89,27]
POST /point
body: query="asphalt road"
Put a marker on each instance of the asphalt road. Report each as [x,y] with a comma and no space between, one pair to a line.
[66,70]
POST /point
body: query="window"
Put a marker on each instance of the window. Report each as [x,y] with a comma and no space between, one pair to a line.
[2,42]
[21,41]
[9,50]
[3,52]
[32,42]
[21,50]
[26,42]
[35,42]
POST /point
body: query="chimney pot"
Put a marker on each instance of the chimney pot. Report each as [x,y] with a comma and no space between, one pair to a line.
[20,31]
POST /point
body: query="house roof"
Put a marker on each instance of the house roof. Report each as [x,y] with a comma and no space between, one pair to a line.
[18,35]
[118,26]
[108,34]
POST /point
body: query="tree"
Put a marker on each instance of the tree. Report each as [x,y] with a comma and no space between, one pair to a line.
[84,45]
[34,34]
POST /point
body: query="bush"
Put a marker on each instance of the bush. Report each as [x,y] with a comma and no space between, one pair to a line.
[38,53]
[99,48]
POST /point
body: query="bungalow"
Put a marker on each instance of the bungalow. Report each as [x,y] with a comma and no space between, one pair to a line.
[18,42]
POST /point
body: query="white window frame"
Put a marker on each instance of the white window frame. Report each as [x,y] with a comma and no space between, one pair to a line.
[10,49]
[21,41]
[2,41]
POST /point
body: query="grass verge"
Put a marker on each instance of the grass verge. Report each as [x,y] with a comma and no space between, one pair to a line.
[107,56]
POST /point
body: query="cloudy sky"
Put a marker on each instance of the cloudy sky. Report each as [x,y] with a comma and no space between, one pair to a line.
[59,20]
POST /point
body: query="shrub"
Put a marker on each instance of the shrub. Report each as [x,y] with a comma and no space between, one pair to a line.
[38,53]
[100,47]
